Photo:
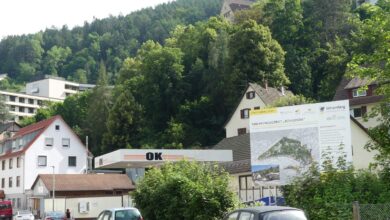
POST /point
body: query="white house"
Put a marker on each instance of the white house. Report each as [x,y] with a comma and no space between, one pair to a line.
[46,147]
[255,97]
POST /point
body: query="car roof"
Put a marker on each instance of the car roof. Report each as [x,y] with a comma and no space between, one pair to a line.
[120,209]
[261,209]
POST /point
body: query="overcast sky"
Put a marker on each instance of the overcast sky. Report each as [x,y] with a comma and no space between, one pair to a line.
[29,16]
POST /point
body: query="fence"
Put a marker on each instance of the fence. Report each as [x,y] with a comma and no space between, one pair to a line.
[371,211]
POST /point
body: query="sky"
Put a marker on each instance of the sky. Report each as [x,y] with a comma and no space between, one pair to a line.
[30,16]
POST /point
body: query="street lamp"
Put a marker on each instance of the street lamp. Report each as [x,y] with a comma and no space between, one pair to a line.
[54,186]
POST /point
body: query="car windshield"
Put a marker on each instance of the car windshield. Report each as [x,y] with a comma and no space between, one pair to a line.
[285,215]
[129,214]
[55,214]
[24,212]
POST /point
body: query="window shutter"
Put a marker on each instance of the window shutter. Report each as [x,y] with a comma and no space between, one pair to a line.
[242,113]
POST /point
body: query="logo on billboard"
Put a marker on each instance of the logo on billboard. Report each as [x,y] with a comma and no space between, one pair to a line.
[154,156]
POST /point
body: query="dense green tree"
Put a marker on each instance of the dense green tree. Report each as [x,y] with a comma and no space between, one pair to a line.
[371,61]
[124,122]
[184,190]
[55,59]
[256,56]
[4,112]
[334,189]
[99,103]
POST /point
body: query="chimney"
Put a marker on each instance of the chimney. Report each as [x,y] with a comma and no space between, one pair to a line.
[266,85]
[282,90]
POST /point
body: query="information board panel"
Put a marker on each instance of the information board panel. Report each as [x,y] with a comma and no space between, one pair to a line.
[286,141]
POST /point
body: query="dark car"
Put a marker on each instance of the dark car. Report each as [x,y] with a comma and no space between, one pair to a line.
[267,213]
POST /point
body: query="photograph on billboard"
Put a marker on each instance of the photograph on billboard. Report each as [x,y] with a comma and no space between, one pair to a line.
[286,141]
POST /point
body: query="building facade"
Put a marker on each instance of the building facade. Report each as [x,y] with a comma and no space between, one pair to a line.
[362,99]
[55,87]
[49,89]
[254,97]
[41,148]
[22,105]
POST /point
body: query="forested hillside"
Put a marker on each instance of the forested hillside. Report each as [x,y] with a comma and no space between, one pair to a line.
[76,53]
[176,89]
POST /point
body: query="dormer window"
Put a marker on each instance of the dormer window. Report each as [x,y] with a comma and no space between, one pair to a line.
[250,95]
[359,92]
[245,113]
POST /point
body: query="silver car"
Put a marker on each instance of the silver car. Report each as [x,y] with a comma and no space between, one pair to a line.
[267,213]
[23,215]
[120,214]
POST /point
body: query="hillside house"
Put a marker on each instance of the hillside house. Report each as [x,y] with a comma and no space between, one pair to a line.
[41,148]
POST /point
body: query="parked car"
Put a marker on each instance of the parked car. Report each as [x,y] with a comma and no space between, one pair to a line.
[120,214]
[267,213]
[54,215]
[23,215]
[6,210]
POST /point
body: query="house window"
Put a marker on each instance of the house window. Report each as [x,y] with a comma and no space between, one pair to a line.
[256,108]
[31,101]
[250,95]
[3,165]
[358,112]
[245,113]
[10,182]
[72,161]
[359,92]
[31,110]
[12,98]
[13,108]
[21,100]
[42,161]
[10,163]
[18,181]
[57,127]
[3,183]
[18,162]
[65,142]
[21,109]
[241,131]
[39,102]
[49,142]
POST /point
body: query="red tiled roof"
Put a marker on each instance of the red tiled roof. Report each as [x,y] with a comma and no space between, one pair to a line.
[39,126]
[86,182]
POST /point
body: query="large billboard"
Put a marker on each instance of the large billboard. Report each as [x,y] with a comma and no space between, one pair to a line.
[286,141]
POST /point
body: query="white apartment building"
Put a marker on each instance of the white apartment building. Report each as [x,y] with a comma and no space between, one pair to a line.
[52,89]
[46,147]
[21,105]
[55,87]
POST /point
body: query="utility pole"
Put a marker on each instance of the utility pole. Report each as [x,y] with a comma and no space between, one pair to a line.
[54,186]
[86,145]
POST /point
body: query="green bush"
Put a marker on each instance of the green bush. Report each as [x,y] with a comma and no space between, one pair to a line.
[184,190]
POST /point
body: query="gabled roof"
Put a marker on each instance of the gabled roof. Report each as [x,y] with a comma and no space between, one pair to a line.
[36,126]
[344,88]
[39,127]
[85,182]
[268,96]
[358,82]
